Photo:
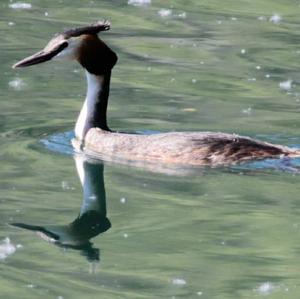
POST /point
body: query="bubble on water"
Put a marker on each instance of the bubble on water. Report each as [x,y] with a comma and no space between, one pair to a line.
[165,12]
[233,19]
[125,236]
[268,76]
[258,67]
[194,80]
[123,200]
[200,293]
[286,85]
[46,14]
[6,249]
[17,84]
[243,51]
[11,23]
[275,18]
[20,5]
[265,288]
[139,2]
[178,281]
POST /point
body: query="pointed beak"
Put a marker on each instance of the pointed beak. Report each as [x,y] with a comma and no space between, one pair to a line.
[46,54]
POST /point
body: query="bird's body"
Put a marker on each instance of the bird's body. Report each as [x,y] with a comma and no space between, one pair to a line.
[188,148]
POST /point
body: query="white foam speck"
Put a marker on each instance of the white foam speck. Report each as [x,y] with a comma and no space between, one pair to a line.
[275,19]
[93,197]
[194,81]
[233,19]
[286,85]
[182,15]
[11,23]
[247,111]
[265,288]
[178,281]
[46,14]
[268,76]
[6,249]
[139,2]
[243,51]
[125,235]
[66,186]
[189,109]
[258,67]
[252,79]
[31,286]
[261,18]
[17,84]
[165,12]
[199,293]
[20,5]
[123,200]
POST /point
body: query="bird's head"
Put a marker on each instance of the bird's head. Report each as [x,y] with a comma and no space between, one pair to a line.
[81,44]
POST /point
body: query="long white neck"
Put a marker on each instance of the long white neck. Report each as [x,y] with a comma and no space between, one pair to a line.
[93,111]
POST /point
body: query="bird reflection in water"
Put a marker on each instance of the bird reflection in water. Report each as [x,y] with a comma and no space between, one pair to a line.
[92,219]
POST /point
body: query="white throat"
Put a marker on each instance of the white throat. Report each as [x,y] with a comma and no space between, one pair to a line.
[85,120]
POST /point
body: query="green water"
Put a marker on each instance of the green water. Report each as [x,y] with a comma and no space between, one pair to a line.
[216,233]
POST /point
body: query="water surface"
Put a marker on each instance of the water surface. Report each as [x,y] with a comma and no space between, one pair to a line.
[183,65]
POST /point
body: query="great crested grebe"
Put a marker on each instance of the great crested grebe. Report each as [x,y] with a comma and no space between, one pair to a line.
[91,130]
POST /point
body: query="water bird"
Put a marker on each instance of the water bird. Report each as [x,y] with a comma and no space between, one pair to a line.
[93,134]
